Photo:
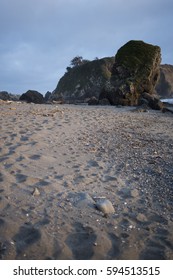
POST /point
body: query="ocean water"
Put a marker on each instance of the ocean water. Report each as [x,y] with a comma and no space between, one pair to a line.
[169,100]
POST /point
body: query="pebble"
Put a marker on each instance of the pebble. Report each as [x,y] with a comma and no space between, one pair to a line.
[36,192]
[141,218]
[135,193]
[105,206]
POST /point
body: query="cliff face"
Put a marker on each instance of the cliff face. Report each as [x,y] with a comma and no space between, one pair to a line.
[82,82]
[135,71]
[164,87]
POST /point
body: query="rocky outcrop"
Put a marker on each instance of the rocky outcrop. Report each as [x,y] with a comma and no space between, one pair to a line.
[134,77]
[83,82]
[32,96]
[47,95]
[4,95]
[164,87]
[135,71]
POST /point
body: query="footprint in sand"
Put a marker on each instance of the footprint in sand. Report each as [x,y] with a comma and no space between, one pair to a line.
[20,178]
[153,251]
[24,138]
[20,158]
[115,250]
[26,236]
[35,157]
[1,177]
[81,242]
[92,163]
[2,222]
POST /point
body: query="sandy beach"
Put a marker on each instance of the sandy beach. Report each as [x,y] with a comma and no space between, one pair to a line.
[59,161]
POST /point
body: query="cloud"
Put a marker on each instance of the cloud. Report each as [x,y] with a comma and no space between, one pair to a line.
[40,37]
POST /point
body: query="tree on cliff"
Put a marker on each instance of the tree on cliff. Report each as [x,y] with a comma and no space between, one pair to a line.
[77,61]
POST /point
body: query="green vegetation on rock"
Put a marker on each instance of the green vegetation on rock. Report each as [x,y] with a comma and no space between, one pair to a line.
[84,80]
[137,56]
[135,71]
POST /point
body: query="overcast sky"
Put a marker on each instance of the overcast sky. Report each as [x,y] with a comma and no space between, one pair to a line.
[38,38]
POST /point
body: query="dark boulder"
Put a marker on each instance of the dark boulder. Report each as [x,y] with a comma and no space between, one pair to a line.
[135,71]
[151,101]
[104,101]
[4,95]
[32,96]
[93,101]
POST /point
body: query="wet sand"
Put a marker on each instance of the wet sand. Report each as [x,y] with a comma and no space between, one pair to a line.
[56,161]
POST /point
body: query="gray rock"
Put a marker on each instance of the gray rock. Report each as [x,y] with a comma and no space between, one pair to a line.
[36,192]
[47,95]
[81,200]
[164,86]
[141,218]
[104,205]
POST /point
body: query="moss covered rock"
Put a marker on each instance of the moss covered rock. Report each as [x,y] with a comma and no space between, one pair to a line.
[135,71]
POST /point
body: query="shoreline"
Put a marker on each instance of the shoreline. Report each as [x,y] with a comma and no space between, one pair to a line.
[55,160]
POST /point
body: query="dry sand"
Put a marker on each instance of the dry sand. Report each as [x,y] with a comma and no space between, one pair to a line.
[56,161]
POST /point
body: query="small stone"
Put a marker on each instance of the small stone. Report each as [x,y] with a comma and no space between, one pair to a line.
[135,193]
[141,218]
[105,206]
[36,192]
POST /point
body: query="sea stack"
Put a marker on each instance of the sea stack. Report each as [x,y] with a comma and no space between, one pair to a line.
[135,71]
